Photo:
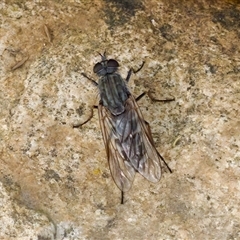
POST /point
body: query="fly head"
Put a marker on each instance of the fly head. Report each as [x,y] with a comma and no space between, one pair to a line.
[106,66]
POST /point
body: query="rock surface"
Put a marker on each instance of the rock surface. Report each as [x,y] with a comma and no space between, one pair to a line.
[54,179]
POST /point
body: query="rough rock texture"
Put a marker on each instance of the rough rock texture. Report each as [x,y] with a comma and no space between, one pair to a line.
[54,179]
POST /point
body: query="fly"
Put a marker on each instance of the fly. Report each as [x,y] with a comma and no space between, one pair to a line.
[127,136]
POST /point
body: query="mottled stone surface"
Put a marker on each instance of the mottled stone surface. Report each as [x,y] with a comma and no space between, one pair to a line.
[55,182]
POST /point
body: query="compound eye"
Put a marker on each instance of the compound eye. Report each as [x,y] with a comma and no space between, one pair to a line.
[112,65]
[97,68]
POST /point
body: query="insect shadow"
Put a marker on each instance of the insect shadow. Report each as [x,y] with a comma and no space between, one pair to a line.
[127,136]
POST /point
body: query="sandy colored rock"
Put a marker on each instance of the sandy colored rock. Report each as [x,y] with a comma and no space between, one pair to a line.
[55,181]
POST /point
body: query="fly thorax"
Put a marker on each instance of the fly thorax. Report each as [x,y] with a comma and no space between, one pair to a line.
[113,93]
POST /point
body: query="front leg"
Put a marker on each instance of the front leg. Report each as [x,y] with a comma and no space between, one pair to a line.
[91,115]
[134,71]
[90,79]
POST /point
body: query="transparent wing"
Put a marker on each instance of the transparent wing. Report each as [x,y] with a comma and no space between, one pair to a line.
[129,145]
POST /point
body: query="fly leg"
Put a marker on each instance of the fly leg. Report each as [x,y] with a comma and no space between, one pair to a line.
[90,79]
[133,71]
[140,96]
[152,98]
[91,115]
[122,197]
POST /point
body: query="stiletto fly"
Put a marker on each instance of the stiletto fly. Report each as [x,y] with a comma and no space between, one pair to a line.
[127,136]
